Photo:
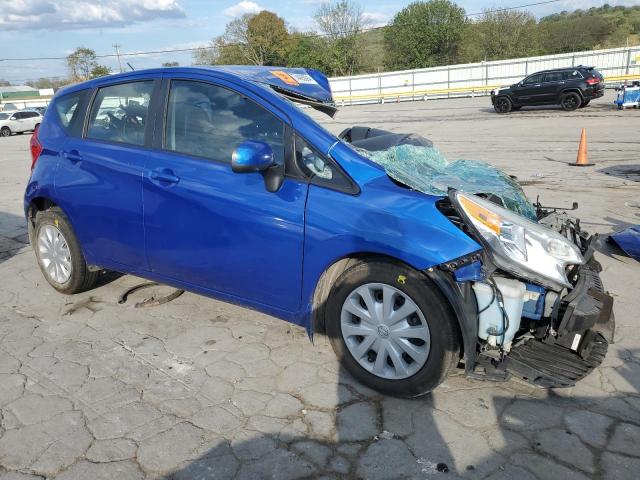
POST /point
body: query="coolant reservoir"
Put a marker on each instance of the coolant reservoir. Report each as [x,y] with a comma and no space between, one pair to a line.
[491,322]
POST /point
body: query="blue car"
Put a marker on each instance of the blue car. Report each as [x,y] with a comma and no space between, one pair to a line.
[216,180]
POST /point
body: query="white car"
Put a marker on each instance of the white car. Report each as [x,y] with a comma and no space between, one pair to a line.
[18,122]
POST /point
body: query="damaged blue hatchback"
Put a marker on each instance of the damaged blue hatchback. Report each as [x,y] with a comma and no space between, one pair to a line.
[211,179]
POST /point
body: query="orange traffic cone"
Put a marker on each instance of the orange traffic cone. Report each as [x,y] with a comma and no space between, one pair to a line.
[582,160]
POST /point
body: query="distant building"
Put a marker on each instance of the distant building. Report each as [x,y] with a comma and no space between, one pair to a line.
[22,96]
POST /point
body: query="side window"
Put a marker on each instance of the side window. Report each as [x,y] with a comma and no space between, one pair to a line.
[67,108]
[119,113]
[211,121]
[553,77]
[18,116]
[533,79]
[318,168]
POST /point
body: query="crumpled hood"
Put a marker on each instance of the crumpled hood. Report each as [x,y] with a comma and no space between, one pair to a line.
[425,169]
[302,85]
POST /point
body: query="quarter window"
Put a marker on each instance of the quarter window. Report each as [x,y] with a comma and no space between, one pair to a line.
[210,121]
[318,168]
[67,108]
[120,112]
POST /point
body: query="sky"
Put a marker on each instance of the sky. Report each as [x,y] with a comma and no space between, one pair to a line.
[54,28]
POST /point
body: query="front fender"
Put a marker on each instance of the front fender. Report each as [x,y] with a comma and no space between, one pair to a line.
[385,219]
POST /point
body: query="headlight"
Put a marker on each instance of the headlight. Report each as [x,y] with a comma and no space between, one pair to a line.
[519,245]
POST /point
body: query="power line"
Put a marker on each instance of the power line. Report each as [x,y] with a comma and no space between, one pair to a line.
[313,35]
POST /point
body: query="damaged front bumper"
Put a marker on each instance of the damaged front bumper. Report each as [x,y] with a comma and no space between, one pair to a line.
[558,349]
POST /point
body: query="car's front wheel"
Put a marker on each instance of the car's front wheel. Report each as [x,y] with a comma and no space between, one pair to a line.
[5,132]
[391,328]
[58,252]
[502,105]
[570,101]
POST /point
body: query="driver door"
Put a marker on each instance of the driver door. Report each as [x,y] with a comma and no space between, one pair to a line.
[530,92]
[209,227]
[99,175]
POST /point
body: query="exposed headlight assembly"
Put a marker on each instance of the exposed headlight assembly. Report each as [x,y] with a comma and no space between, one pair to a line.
[518,245]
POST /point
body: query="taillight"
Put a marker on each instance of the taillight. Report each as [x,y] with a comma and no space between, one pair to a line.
[35,146]
[593,81]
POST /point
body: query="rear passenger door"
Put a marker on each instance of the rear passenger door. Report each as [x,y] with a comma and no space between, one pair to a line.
[210,227]
[100,174]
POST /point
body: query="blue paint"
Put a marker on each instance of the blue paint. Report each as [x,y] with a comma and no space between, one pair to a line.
[194,223]
[534,302]
[470,273]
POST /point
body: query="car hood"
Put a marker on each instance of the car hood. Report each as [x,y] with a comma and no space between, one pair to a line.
[301,85]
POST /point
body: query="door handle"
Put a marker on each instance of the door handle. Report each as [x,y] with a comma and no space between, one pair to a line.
[72,155]
[164,176]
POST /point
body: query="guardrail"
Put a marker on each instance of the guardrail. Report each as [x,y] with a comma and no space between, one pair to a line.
[424,93]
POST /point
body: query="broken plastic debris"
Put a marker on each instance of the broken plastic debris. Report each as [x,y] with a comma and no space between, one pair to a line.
[425,169]
[385,435]
[431,468]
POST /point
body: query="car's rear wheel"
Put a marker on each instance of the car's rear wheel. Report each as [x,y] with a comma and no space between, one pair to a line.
[570,101]
[391,328]
[502,105]
[58,252]
[584,103]
[5,132]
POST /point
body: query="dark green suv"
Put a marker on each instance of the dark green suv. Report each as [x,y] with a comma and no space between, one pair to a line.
[571,88]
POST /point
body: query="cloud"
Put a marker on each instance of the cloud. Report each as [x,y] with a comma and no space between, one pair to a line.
[76,14]
[375,19]
[245,6]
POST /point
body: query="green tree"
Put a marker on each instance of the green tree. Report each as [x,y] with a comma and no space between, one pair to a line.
[309,51]
[99,71]
[81,62]
[341,23]
[424,34]
[253,39]
[500,35]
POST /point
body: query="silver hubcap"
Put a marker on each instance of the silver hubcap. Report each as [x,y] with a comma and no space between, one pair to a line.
[385,331]
[54,254]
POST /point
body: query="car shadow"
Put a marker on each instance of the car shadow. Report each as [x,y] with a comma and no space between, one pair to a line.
[13,235]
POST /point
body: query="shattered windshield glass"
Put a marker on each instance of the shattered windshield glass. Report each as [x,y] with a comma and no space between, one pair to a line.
[425,169]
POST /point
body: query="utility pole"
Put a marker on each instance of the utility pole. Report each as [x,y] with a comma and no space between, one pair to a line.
[117,47]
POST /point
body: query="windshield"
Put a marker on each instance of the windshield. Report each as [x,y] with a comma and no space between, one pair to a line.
[4,116]
[425,169]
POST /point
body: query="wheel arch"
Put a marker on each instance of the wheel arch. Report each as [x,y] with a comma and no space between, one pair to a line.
[37,204]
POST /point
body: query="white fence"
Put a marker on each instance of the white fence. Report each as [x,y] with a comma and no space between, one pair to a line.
[476,78]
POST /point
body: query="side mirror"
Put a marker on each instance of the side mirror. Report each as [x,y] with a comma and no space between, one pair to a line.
[255,156]
[252,156]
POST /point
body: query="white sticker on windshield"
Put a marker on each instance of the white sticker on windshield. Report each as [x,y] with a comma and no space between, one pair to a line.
[303,78]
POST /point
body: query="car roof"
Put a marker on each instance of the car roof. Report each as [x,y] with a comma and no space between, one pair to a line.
[560,69]
[302,83]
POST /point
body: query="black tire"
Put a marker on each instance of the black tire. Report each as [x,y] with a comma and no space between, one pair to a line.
[444,351]
[5,132]
[81,278]
[584,103]
[36,127]
[570,101]
[502,105]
